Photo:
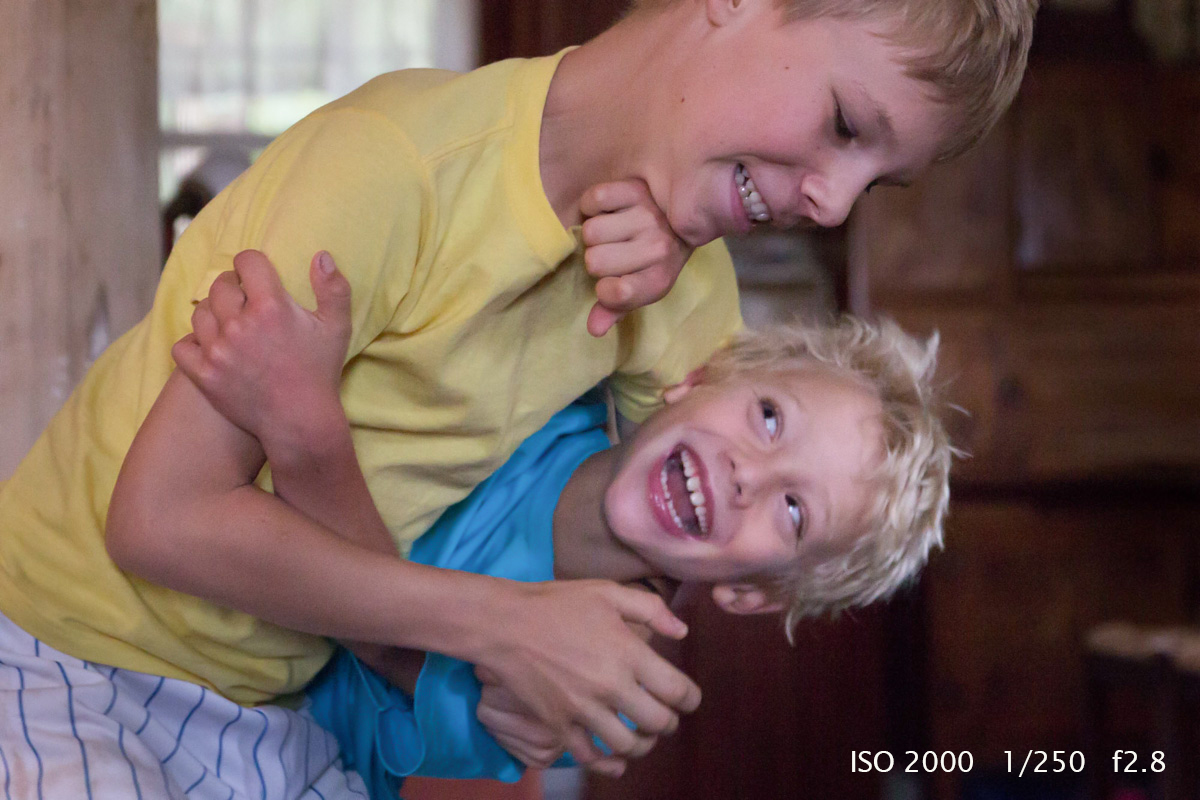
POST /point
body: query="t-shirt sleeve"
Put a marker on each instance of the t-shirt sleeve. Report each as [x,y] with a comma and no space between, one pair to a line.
[343,180]
[678,333]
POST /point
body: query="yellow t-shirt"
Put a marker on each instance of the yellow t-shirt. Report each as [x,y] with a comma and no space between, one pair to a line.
[469,309]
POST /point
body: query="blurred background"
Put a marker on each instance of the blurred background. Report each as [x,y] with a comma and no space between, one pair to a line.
[1060,262]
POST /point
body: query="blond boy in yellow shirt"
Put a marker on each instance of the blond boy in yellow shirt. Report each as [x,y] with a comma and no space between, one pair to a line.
[451,204]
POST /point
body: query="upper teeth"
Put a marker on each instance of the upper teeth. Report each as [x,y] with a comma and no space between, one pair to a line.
[752,201]
[695,493]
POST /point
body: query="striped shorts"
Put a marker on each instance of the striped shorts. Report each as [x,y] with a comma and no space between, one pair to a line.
[74,729]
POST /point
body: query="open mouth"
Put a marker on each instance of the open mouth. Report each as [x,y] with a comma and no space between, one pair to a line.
[684,492]
[752,200]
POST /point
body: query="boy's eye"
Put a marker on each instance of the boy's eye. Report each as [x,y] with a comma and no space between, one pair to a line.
[844,131]
[770,416]
[796,512]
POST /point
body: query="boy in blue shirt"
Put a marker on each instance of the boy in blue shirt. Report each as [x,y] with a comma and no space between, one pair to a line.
[803,470]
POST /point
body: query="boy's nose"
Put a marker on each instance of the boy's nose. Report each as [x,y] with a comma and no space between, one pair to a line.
[832,196]
[750,474]
[831,204]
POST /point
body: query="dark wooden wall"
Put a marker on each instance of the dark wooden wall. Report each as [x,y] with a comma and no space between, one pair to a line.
[1061,263]
[525,28]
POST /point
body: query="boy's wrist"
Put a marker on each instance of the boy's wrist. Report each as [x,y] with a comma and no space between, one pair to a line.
[490,604]
[304,441]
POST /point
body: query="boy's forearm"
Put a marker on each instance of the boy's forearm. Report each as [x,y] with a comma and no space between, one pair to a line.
[324,481]
[295,573]
[320,477]
[185,515]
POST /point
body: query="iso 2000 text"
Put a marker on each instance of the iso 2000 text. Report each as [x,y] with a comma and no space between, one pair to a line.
[911,761]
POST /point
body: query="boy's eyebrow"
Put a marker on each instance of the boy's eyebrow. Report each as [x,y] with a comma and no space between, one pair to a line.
[887,130]
[823,507]
[883,120]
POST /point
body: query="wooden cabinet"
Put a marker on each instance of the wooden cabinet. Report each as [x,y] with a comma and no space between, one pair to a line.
[777,722]
[1060,262]
[1019,584]
[1083,153]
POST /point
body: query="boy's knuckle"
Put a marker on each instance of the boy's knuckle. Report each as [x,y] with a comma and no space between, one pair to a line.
[217,354]
[235,328]
[643,745]
[661,248]
[660,283]
[624,744]
[654,604]
[206,375]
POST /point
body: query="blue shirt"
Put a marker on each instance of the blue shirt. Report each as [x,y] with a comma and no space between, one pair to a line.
[504,529]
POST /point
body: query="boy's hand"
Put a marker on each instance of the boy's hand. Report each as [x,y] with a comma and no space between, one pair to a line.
[512,725]
[568,655]
[526,739]
[268,365]
[629,248]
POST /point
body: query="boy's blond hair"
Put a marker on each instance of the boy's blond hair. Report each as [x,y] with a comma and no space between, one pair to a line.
[905,522]
[973,52]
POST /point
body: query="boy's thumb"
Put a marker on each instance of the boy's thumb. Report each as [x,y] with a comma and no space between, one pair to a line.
[601,319]
[331,289]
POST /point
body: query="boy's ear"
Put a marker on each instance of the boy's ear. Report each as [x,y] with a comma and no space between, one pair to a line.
[721,12]
[676,393]
[744,598]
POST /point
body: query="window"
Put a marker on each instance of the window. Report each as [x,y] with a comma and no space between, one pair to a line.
[233,74]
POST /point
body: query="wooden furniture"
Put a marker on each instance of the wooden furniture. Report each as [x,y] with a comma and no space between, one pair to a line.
[1154,662]
[1060,263]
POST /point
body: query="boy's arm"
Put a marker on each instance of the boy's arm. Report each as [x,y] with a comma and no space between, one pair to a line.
[186,515]
[296,415]
[316,471]
[564,648]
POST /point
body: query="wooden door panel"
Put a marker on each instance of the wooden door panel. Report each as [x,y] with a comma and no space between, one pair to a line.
[949,234]
[1011,598]
[1084,194]
[986,412]
[1110,388]
[777,722]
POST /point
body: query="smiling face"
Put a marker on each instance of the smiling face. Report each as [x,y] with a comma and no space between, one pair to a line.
[786,123]
[740,479]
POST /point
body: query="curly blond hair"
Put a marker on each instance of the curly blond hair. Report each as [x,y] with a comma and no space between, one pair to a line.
[973,52]
[905,522]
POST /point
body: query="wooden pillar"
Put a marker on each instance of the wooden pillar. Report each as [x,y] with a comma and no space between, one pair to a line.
[79,242]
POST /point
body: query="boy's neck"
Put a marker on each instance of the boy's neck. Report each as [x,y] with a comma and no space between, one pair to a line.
[599,110]
[584,546]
